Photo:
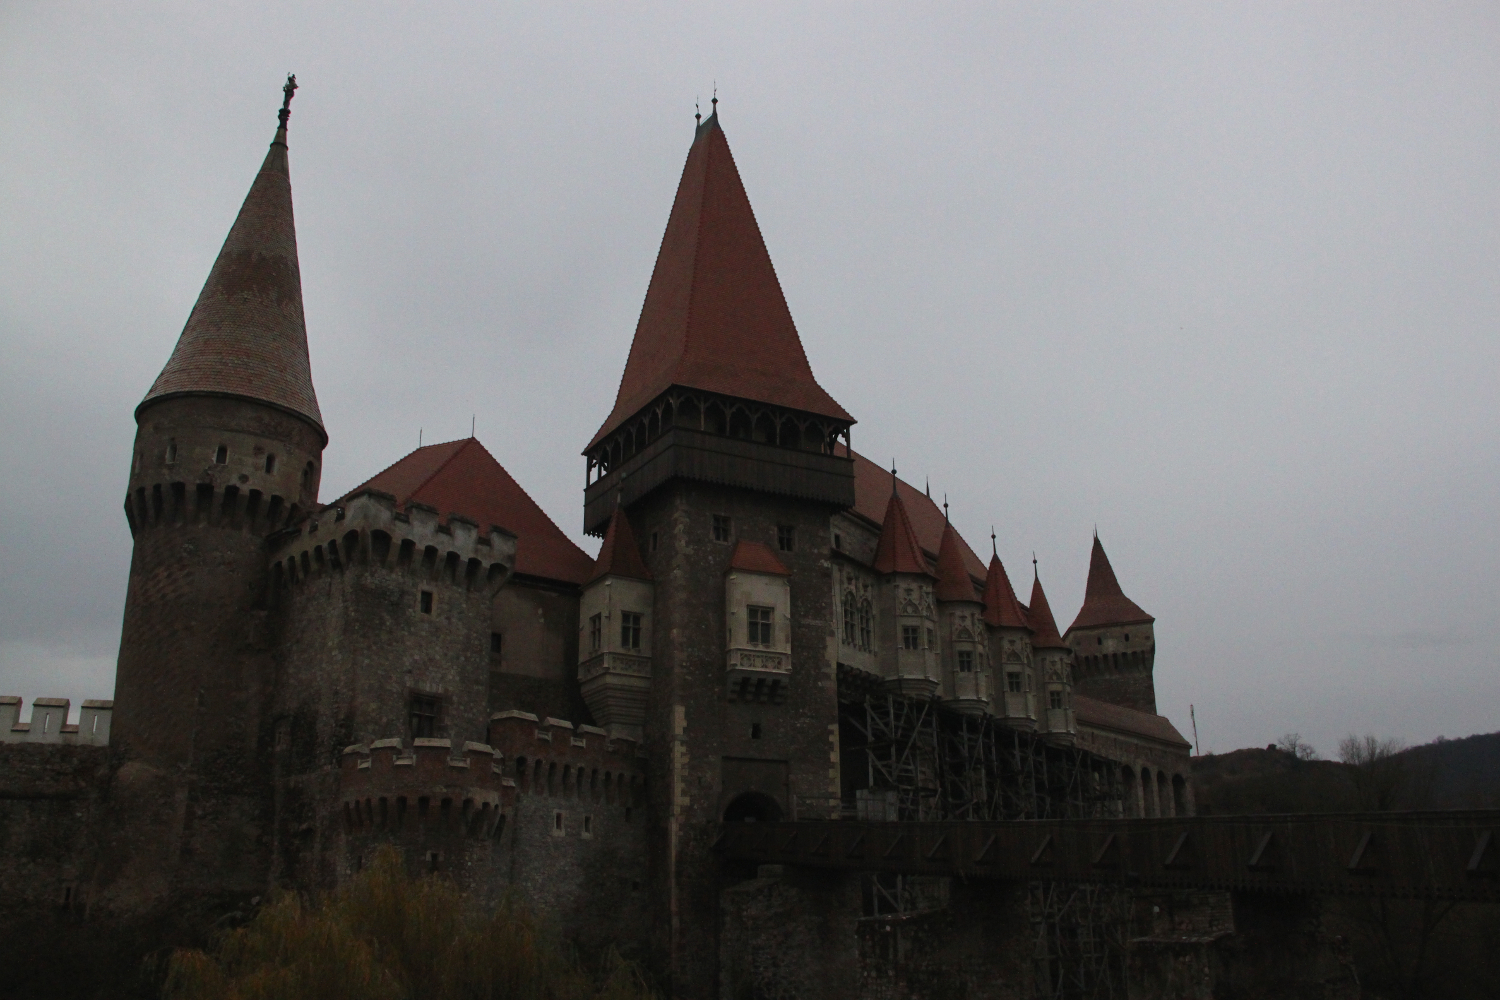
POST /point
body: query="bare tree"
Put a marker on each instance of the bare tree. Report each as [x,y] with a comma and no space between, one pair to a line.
[1293,744]
[1377,769]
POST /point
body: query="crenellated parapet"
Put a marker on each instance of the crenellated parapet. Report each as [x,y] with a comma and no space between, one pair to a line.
[239,508]
[386,785]
[49,722]
[369,531]
[555,758]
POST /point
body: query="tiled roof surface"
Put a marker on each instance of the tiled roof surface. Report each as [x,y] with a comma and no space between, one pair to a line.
[714,316]
[462,477]
[246,335]
[1105,715]
[1000,605]
[1039,617]
[872,492]
[753,557]
[620,555]
[1104,603]
[898,550]
[953,580]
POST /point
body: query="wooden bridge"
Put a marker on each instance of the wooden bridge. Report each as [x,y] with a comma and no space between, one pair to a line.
[1424,855]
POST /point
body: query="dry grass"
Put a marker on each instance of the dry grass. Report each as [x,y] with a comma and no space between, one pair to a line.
[388,936]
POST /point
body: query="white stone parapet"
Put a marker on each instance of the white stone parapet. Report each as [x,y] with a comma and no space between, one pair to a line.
[49,722]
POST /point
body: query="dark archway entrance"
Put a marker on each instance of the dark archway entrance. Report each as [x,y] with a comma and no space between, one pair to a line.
[752,807]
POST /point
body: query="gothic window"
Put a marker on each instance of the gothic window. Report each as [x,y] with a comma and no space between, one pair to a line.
[596,632]
[424,716]
[848,618]
[866,641]
[722,528]
[910,637]
[1055,698]
[630,630]
[1013,682]
[758,621]
[966,661]
[786,537]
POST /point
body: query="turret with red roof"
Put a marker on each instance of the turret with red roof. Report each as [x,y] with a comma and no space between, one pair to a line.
[1113,641]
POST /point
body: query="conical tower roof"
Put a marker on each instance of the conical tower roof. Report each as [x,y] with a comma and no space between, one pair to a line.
[620,555]
[1000,606]
[715,317]
[246,336]
[898,551]
[1043,625]
[1104,603]
[953,580]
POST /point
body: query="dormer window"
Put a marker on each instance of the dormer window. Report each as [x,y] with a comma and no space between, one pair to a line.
[630,630]
[758,625]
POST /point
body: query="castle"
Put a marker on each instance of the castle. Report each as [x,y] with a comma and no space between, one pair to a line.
[429,661]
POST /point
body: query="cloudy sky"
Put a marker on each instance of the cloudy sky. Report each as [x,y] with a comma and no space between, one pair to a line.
[1221,279]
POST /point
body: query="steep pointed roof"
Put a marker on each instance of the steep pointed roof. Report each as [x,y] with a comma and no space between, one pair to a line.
[620,555]
[872,493]
[246,336]
[1043,625]
[953,580]
[462,477]
[1104,603]
[714,316]
[1000,605]
[898,550]
[754,557]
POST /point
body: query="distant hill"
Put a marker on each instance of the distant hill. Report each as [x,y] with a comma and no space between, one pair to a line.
[1447,774]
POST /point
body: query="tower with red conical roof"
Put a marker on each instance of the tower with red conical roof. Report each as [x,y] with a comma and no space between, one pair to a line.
[1113,641]
[1053,662]
[228,450]
[909,658]
[1015,683]
[961,631]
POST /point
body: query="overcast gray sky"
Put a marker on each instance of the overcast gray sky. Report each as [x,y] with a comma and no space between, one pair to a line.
[1222,279]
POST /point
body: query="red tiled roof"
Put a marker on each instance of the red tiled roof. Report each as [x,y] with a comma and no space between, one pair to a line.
[1105,715]
[1104,603]
[753,557]
[954,582]
[714,316]
[898,550]
[872,491]
[246,335]
[1000,605]
[1039,617]
[462,477]
[620,555]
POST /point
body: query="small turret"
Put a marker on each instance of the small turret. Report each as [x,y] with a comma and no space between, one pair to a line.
[1113,641]
[964,650]
[615,626]
[909,657]
[1010,649]
[1052,661]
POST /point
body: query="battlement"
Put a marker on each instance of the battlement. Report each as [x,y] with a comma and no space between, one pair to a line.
[369,530]
[386,785]
[49,722]
[553,757]
[178,503]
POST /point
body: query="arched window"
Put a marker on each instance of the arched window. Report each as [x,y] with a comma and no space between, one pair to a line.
[849,621]
[866,640]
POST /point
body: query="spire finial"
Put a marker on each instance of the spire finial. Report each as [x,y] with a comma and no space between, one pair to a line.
[928,487]
[697,111]
[1034,571]
[715,101]
[289,88]
[893,477]
[994,549]
[945,508]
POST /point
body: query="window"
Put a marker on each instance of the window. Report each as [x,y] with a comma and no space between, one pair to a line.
[433,857]
[426,602]
[270,463]
[588,826]
[424,716]
[721,527]
[910,637]
[653,541]
[557,824]
[755,730]
[838,541]
[786,538]
[849,619]
[931,640]
[172,457]
[1054,698]
[630,630]
[596,632]
[1013,682]
[866,641]
[966,661]
[497,644]
[221,456]
[758,621]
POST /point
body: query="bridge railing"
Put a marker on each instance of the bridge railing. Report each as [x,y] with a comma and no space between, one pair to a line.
[1434,855]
